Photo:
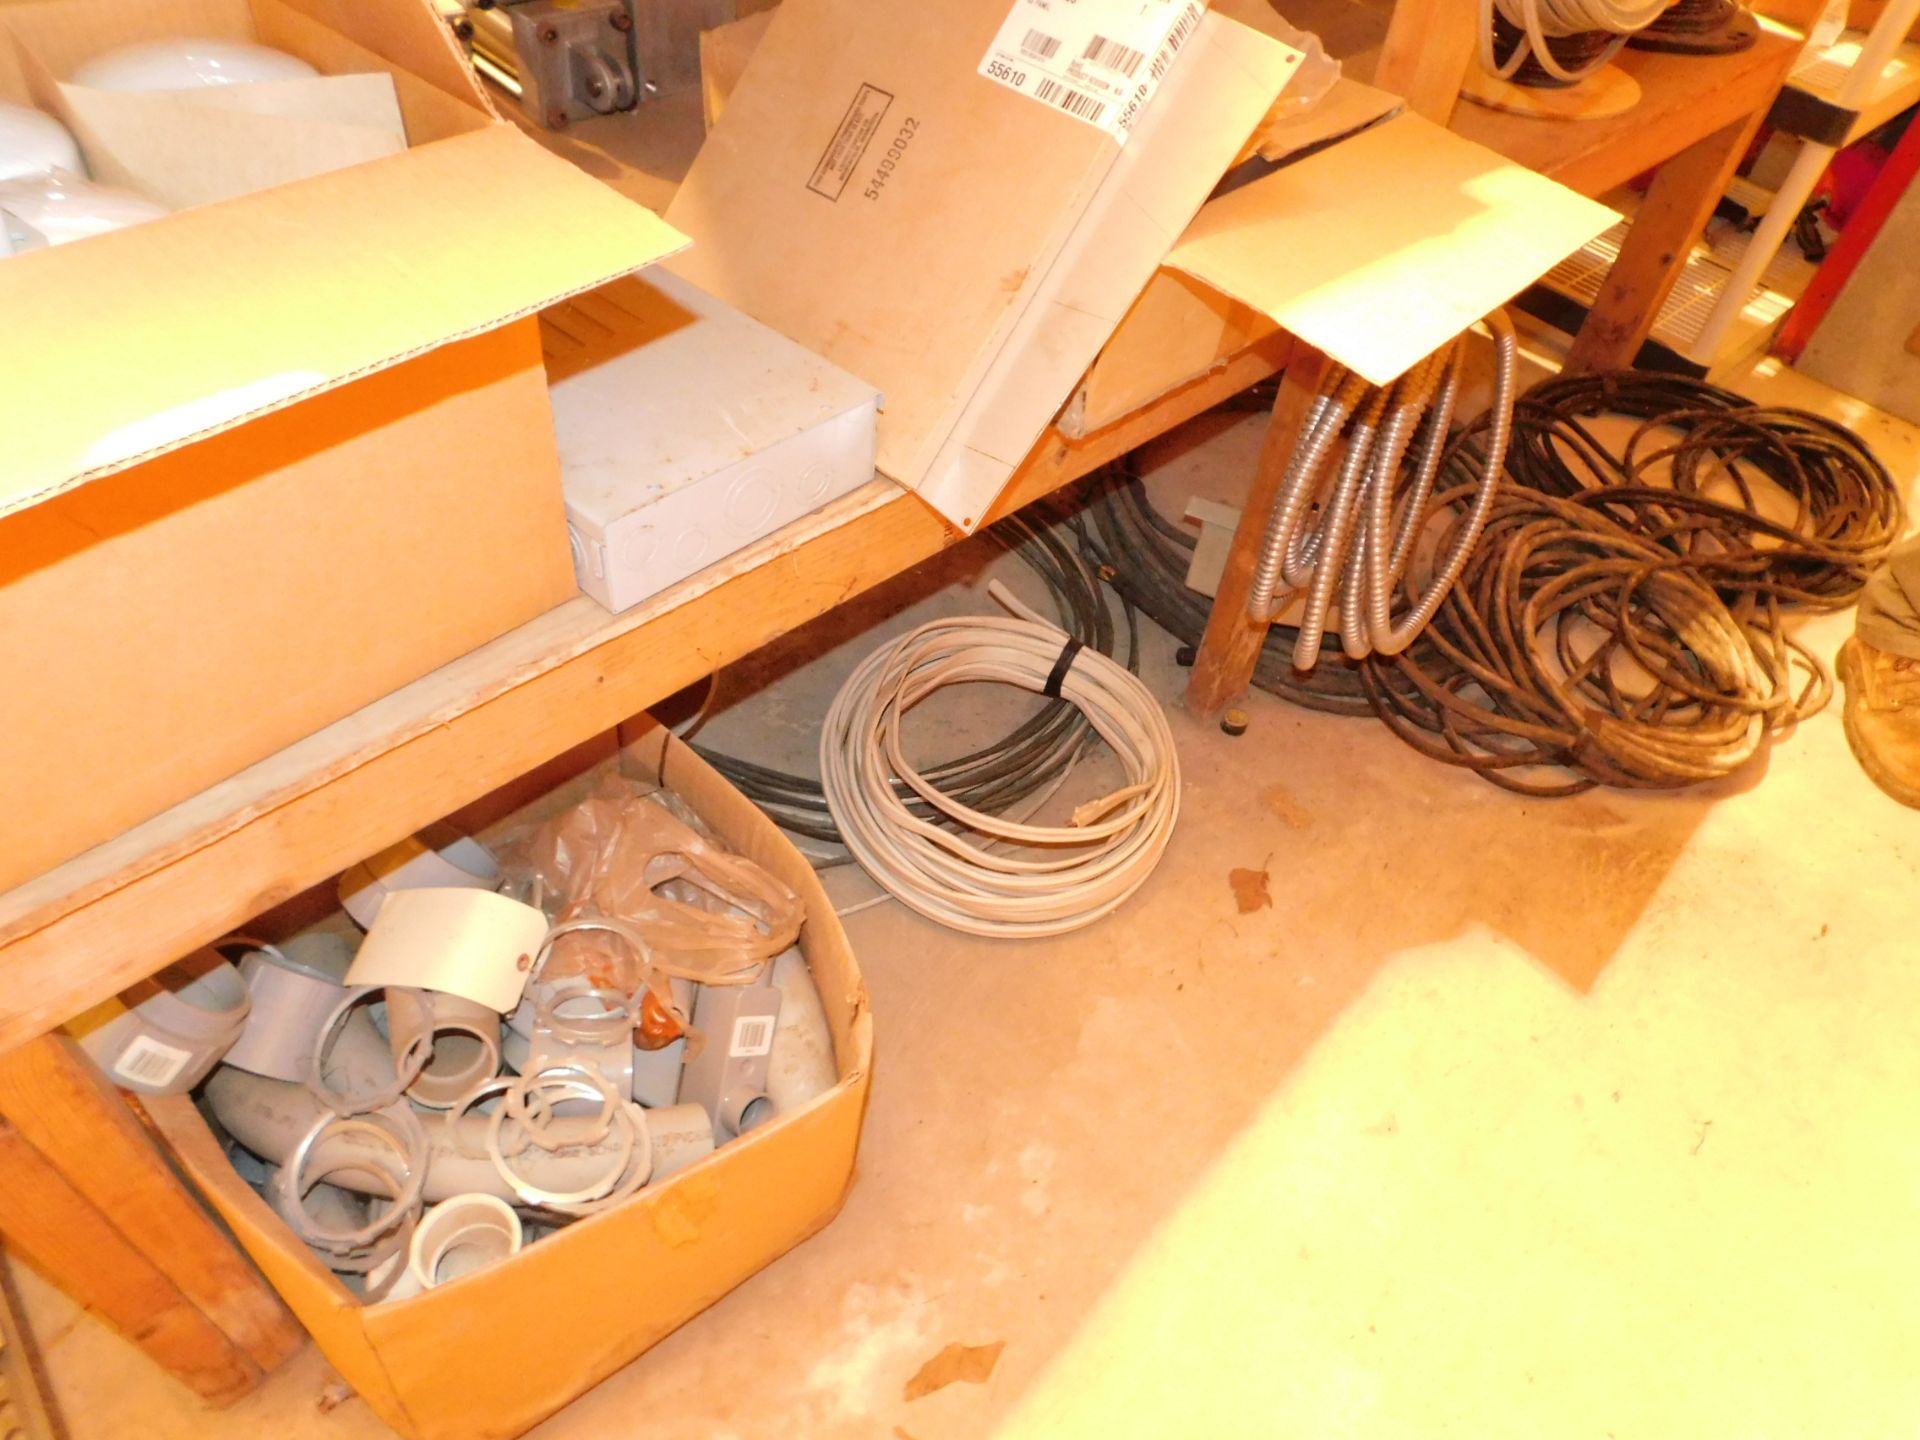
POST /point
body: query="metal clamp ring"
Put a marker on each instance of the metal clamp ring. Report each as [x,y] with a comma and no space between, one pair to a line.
[493,1085]
[613,1026]
[408,1066]
[400,1132]
[629,1131]
[605,924]
[524,1102]
[638,1175]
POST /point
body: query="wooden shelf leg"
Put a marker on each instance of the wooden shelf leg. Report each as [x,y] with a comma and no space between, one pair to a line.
[119,1190]
[53,1227]
[1676,211]
[1429,47]
[1223,669]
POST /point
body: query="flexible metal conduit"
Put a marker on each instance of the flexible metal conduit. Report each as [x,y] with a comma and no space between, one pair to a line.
[1352,538]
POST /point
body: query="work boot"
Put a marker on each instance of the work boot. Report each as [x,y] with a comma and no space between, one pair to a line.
[1883,717]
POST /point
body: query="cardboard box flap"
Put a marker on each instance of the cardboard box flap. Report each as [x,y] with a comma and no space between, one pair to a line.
[192,324]
[1383,247]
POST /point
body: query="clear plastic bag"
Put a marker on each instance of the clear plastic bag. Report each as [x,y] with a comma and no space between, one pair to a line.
[637,854]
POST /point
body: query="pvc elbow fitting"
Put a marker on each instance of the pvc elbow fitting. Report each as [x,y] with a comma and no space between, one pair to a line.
[461,1235]
[801,1065]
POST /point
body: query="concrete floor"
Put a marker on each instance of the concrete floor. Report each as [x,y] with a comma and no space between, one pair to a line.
[1531,1118]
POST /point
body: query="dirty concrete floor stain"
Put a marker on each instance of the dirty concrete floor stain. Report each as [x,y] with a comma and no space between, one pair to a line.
[1509,1118]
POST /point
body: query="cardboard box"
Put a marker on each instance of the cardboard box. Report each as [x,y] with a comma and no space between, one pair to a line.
[1178,329]
[869,195]
[688,431]
[724,53]
[1382,248]
[1222,85]
[266,460]
[494,1353]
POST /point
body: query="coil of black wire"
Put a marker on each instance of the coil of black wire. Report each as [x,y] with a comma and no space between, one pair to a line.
[1805,511]
[1621,622]
[996,776]
[1145,556]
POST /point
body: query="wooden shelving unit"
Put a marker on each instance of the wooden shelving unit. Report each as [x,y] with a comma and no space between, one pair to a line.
[1684,99]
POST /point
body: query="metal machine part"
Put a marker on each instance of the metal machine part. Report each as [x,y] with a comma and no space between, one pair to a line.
[566,60]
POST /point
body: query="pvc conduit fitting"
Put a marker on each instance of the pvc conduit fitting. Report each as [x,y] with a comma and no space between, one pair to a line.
[323,1062]
[455,862]
[729,1075]
[462,1235]
[582,1026]
[462,1039]
[681,1135]
[175,1028]
[800,1066]
[291,1001]
[269,1117]
[656,1073]
[400,1152]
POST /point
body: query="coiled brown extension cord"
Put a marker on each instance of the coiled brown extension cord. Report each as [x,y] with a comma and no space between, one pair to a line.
[1618,623]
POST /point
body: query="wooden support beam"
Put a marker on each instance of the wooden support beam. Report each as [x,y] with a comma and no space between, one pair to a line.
[59,1102]
[54,1228]
[1430,46]
[1231,648]
[1672,217]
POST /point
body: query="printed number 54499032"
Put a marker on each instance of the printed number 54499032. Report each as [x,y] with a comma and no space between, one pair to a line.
[890,161]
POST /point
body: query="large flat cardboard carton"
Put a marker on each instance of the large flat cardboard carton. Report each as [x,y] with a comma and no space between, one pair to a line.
[264,460]
[1384,247]
[1224,82]
[495,1352]
[1178,329]
[868,194]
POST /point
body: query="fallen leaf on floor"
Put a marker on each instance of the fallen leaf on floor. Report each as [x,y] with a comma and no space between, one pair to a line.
[969,1363]
[1290,812]
[1250,890]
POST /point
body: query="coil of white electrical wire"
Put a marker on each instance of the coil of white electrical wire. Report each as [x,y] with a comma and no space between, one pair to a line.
[994,875]
[1540,19]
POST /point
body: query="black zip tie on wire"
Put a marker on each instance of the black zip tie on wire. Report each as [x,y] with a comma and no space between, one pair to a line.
[1061,666]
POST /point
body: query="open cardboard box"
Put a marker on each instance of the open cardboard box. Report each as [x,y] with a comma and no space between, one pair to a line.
[263,461]
[495,1352]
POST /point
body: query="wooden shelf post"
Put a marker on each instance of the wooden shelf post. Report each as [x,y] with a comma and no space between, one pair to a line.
[1230,650]
[90,1199]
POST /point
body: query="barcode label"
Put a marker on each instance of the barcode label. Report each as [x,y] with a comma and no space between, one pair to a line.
[1076,103]
[1040,45]
[1099,61]
[147,1062]
[1176,37]
[752,1035]
[1112,55]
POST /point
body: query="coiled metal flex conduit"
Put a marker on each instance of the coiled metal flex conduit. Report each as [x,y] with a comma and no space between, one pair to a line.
[1318,535]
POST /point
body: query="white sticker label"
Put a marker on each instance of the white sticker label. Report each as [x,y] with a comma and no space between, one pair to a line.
[1097,60]
[752,1035]
[147,1062]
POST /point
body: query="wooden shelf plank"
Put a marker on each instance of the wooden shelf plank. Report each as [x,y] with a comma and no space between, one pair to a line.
[1684,99]
[89,928]
[1897,88]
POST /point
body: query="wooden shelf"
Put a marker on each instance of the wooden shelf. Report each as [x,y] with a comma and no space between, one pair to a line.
[1684,99]
[78,934]
[1897,89]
